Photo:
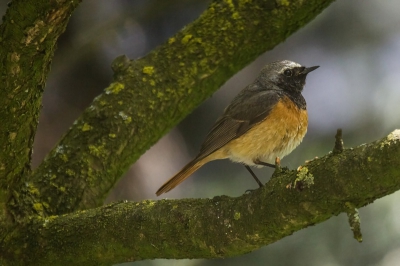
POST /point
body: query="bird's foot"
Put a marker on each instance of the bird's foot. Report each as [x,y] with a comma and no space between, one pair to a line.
[248,191]
[278,168]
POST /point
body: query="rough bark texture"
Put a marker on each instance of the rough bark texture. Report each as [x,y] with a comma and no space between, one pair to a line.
[218,227]
[44,218]
[28,37]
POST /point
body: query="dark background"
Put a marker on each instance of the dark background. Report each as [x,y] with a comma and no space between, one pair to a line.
[357,45]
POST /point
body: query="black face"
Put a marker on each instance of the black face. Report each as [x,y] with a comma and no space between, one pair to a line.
[292,79]
[286,75]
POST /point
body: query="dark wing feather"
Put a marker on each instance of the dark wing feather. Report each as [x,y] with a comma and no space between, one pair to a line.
[249,108]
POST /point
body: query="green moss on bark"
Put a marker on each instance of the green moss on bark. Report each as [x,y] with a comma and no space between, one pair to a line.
[211,228]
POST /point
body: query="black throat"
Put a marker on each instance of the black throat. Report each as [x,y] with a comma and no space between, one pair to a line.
[297,98]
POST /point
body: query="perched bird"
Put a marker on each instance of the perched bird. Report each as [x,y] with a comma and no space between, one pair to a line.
[266,120]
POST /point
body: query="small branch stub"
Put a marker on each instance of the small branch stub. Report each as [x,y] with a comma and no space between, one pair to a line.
[339,146]
[354,221]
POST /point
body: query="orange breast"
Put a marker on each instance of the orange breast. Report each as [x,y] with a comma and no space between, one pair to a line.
[276,136]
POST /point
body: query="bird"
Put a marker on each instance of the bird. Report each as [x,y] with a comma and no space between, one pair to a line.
[266,120]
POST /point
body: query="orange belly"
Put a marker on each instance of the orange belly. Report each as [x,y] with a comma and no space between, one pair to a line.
[276,136]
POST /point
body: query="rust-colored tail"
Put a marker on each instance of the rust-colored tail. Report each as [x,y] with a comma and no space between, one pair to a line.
[189,169]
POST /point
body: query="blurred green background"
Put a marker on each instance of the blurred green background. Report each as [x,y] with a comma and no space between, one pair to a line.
[357,45]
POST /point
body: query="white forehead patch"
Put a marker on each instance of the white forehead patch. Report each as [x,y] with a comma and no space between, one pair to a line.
[288,65]
[291,64]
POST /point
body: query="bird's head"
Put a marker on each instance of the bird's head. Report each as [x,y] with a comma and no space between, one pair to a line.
[287,75]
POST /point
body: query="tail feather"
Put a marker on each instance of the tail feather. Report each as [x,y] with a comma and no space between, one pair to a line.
[189,169]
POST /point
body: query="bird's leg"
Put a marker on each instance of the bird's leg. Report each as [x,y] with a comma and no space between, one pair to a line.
[277,163]
[276,166]
[254,176]
[263,163]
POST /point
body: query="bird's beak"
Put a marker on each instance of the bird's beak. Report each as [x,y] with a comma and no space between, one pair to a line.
[308,70]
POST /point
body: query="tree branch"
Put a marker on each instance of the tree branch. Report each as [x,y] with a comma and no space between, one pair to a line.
[151,95]
[28,37]
[219,227]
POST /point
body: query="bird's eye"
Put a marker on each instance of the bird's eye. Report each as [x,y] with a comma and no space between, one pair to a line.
[288,72]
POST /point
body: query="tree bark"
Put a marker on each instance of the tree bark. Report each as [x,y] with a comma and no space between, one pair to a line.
[28,38]
[45,217]
[214,228]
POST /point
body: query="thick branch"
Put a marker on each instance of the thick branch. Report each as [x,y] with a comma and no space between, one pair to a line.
[218,227]
[28,36]
[151,95]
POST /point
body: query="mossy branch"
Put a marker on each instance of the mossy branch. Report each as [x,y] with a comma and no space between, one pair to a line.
[28,36]
[219,227]
[151,95]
